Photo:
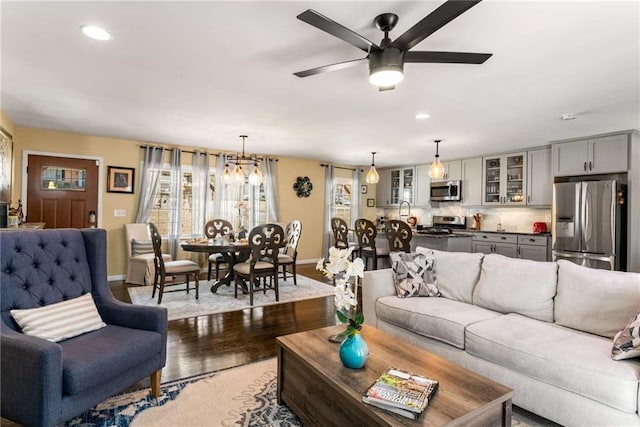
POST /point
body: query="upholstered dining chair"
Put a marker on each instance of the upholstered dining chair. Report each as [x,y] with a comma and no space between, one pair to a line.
[214,229]
[140,267]
[366,233]
[167,272]
[265,241]
[287,257]
[66,344]
[399,235]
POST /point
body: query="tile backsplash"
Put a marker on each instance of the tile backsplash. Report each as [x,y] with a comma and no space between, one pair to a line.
[516,219]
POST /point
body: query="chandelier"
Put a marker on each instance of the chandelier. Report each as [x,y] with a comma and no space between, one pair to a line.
[240,162]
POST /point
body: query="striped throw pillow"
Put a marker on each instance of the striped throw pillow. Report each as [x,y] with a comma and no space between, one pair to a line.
[139,247]
[60,321]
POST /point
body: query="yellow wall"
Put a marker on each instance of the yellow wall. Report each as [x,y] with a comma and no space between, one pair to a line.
[120,152]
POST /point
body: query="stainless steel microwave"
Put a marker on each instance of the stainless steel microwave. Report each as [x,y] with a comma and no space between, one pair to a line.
[446,191]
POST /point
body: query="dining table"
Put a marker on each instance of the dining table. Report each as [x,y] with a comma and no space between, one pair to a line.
[232,253]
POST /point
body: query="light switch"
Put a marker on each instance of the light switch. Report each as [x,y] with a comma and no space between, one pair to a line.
[119,212]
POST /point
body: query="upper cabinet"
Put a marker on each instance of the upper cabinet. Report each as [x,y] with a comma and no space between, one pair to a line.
[539,179]
[452,171]
[504,179]
[395,186]
[422,186]
[472,182]
[383,188]
[607,154]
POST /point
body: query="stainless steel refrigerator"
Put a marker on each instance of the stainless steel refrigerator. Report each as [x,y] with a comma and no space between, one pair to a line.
[589,223]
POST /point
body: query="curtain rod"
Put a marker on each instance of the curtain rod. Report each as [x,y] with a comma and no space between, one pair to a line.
[324,165]
[192,152]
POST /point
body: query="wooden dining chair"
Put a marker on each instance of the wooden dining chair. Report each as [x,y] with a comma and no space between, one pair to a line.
[287,257]
[399,235]
[265,241]
[214,229]
[166,273]
[366,233]
[340,231]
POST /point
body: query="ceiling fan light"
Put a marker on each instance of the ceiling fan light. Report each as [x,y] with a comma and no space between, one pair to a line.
[387,76]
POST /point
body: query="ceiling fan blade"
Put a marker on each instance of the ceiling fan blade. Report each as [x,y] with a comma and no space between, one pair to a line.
[325,24]
[446,57]
[446,13]
[332,67]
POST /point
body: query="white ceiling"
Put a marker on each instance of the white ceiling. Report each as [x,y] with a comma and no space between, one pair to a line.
[202,73]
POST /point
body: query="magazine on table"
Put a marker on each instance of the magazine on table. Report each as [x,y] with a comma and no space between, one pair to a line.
[401,392]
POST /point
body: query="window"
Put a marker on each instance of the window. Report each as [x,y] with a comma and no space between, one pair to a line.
[342,198]
[245,205]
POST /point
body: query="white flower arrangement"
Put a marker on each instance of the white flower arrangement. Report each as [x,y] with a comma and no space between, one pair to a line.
[340,268]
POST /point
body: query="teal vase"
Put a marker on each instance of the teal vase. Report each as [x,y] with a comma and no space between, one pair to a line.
[354,352]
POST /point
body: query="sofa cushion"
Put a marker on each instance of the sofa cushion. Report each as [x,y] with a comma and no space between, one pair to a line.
[111,350]
[438,318]
[413,275]
[456,273]
[511,285]
[60,321]
[583,294]
[569,359]
[626,343]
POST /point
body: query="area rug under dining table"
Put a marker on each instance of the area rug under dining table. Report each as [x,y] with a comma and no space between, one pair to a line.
[241,396]
[181,305]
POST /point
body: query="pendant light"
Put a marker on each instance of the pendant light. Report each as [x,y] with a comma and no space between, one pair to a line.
[255,177]
[226,175]
[240,161]
[372,176]
[436,171]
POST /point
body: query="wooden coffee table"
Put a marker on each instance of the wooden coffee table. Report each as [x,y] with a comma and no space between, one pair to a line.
[321,391]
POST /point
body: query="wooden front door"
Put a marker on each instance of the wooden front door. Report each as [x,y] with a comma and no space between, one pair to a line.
[61,191]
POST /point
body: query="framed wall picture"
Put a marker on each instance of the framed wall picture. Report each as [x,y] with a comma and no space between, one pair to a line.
[371,203]
[120,180]
[363,189]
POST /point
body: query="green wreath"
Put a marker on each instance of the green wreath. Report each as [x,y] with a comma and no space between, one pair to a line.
[303,186]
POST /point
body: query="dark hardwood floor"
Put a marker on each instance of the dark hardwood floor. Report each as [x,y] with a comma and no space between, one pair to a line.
[209,343]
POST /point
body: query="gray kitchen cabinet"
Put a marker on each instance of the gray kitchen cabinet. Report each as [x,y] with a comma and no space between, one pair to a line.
[606,154]
[535,248]
[504,179]
[496,243]
[383,188]
[402,181]
[539,177]
[452,171]
[447,243]
[422,187]
[472,182]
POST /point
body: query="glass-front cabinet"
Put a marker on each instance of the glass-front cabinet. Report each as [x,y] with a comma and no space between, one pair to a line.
[402,181]
[504,179]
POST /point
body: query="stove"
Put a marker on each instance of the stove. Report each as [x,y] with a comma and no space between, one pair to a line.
[443,225]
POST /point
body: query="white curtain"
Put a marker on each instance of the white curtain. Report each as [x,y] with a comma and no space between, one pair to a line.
[328,209]
[200,186]
[270,189]
[149,178]
[176,201]
[225,194]
[355,196]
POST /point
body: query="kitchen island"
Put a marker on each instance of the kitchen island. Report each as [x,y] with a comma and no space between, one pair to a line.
[453,242]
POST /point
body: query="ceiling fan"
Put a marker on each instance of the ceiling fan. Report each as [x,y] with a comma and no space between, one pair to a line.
[386,61]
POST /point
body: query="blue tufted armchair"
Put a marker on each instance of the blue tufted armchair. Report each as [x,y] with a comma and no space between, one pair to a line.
[45,383]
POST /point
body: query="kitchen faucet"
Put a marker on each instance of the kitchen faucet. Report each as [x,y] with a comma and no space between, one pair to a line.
[400,209]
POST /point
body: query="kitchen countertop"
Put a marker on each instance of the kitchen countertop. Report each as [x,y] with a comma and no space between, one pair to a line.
[442,236]
[469,233]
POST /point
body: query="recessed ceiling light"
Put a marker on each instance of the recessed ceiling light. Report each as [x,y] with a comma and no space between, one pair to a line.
[95,33]
[569,116]
[422,116]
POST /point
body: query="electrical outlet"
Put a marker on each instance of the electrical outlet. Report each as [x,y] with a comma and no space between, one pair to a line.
[119,212]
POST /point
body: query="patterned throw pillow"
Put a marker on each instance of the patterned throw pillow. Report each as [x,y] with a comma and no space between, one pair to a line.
[139,247]
[626,343]
[414,274]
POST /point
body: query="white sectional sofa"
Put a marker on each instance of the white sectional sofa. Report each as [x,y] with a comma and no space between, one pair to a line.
[544,329]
